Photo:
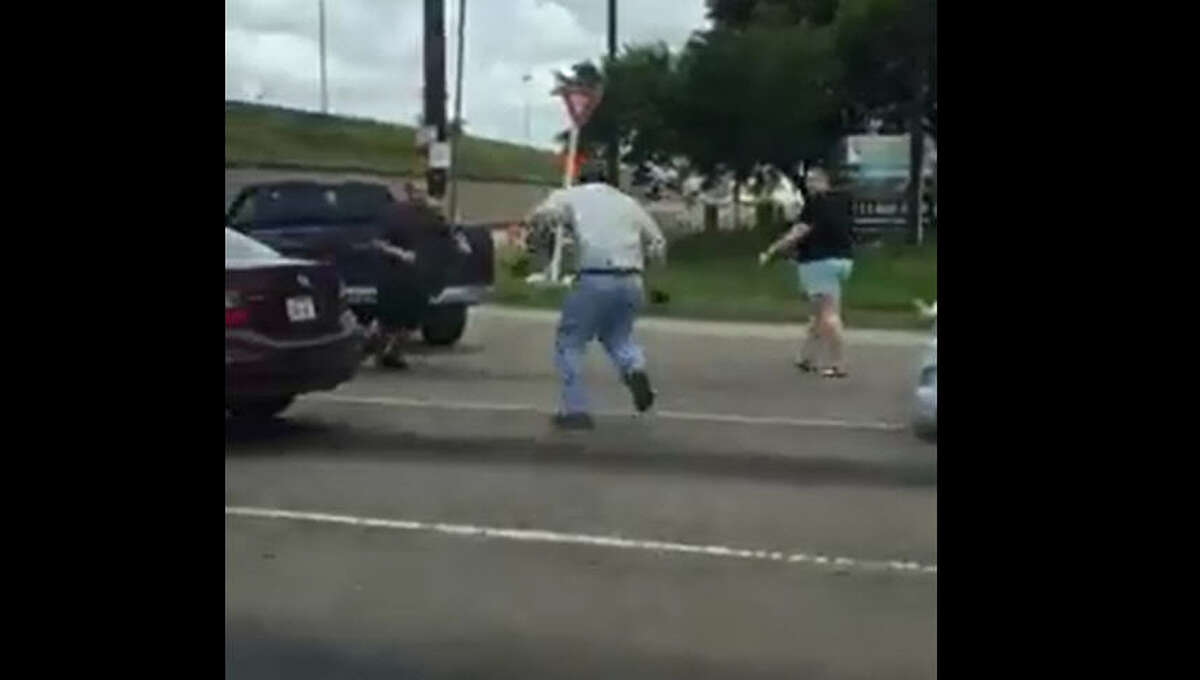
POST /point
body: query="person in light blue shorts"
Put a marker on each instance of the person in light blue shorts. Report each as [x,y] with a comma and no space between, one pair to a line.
[824,261]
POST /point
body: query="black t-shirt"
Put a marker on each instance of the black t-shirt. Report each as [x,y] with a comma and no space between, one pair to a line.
[407,225]
[830,217]
[422,230]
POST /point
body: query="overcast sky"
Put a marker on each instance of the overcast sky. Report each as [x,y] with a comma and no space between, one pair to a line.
[374,56]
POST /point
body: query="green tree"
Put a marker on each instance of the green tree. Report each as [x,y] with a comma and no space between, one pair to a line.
[888,50]
[757,95]
[737,14]
[774,82]
[798,96]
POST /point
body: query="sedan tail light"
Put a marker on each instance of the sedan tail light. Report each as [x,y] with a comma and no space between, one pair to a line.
[235,314]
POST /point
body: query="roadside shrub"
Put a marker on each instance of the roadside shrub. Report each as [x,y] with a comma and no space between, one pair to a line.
[516,261]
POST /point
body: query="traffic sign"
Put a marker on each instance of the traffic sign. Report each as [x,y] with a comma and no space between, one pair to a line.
[581,102]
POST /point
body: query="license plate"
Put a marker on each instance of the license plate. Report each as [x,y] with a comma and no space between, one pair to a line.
[360,295]
[301,309]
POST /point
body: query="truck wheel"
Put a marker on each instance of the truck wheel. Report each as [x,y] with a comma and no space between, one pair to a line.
[444,324]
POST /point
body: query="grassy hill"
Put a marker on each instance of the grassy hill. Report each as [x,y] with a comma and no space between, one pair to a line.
[269,136]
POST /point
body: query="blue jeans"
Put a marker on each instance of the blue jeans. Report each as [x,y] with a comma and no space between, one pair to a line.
[600,306]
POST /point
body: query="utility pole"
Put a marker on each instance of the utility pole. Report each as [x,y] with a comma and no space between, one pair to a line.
[458,88]
[614,168]
[916,155]
[324,88]
[435,87]
[525,80]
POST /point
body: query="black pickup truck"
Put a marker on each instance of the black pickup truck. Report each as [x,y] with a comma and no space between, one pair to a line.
[335,222]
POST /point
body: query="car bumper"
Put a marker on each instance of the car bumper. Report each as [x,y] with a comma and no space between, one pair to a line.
[366,296]
[925,408]
[257,366]
[461,295]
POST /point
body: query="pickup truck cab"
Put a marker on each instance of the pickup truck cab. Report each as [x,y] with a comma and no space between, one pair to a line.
[335,223]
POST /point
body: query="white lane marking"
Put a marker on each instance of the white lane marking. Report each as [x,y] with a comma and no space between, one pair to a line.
[541,536]
[665,415]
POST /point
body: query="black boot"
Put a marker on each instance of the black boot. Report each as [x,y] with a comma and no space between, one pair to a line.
[639,386]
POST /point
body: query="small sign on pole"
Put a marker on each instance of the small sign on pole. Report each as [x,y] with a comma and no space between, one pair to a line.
[439,155]
[425,135]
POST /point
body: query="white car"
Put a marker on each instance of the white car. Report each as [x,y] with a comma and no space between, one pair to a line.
[925,403]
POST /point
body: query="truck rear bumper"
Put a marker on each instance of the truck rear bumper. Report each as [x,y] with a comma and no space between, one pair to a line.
[366,296]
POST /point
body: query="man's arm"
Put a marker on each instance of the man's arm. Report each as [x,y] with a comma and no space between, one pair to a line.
[394,251]
[543,221]
[652,236]
[793,236]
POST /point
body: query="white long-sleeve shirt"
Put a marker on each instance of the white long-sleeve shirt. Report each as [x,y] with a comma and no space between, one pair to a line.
[611,230]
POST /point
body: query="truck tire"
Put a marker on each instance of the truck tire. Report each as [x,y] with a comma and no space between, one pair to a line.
[444,325]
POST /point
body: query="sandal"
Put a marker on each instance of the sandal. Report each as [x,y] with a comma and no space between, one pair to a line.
[391,355]
[834,372]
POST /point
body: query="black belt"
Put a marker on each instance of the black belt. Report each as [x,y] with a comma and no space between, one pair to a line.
[617,272]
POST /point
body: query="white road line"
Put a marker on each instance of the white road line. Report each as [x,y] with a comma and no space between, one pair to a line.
[406,402]
[540,536]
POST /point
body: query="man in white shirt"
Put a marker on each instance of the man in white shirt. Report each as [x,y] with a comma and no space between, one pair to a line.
[613,236]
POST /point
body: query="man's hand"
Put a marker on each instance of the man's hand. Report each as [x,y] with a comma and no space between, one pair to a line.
[793,235]
[460,240]
[401,254]
[656,251]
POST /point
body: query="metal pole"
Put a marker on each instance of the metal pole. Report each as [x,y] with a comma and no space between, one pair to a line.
[324,88]
[916,156]
[572,149]
[525,79]
[435,87]
[457,132]
[614,169]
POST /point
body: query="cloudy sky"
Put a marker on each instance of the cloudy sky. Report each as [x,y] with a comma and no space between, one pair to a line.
[374,55]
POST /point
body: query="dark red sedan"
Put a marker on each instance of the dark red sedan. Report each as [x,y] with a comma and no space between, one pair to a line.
[287,329]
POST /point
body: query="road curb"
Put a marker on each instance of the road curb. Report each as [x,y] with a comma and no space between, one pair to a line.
[724,329]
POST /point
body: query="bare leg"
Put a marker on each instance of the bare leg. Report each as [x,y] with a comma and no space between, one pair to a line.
[811,349]
[830,323]
[391,354]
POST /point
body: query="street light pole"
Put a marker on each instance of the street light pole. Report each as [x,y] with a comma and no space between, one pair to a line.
[525,79]
[435,88]
[614,169]
[456,131]
[324,90]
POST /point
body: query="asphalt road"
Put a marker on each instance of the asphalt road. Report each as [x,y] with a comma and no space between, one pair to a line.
[764,524]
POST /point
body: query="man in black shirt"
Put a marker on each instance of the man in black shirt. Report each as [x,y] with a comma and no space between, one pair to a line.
[410,267]
[824,260]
